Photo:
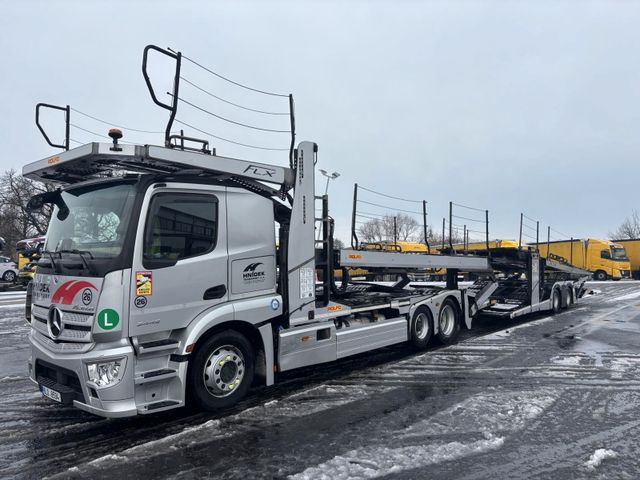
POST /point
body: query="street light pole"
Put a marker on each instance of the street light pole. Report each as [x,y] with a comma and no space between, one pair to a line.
[330,176]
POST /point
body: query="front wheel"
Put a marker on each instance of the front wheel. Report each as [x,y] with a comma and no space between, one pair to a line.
[448,322]
[221,371]
[600,276]
[9,276]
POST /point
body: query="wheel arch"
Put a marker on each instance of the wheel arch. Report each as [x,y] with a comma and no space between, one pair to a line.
[260,338]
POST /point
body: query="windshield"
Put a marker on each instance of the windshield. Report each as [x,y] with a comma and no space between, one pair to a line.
[619,253]
[97,220]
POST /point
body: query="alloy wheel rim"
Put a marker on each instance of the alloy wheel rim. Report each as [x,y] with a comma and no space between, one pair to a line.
[224,371]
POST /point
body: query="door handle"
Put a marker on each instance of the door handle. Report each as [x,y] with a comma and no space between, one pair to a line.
[212,293]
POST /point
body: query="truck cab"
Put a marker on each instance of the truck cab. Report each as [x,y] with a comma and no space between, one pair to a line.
[607,260]
[142,266]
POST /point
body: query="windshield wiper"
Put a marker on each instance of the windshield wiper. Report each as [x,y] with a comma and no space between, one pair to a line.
[81,254]
[53,262]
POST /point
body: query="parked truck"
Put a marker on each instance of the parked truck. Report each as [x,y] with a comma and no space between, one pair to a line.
[605,259]
[159,279]
[632,249]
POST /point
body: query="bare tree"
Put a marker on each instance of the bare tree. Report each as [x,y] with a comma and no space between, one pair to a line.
[401,226]
[630,228]
[16,223]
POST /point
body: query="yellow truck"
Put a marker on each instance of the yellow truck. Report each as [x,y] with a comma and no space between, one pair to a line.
[29,251]
[603,258]
[632,247]
[482,246]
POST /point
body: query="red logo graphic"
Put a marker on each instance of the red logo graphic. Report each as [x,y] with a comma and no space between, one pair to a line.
[68,290]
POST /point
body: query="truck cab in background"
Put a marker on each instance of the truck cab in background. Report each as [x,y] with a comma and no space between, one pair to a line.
[632,250]
[603,258]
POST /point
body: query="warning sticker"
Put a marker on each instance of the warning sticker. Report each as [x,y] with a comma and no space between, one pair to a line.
[307,282]
[144,284]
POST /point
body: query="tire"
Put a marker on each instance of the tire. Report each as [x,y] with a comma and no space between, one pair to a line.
[571,299]
[421,327]
[9,276]
[221,371]
[555,300]
[600,276]
[448,322]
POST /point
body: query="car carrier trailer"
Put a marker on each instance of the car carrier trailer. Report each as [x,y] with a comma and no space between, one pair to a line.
[160,279]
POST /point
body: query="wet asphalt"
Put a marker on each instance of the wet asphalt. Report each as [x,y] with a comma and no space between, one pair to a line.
[541,397]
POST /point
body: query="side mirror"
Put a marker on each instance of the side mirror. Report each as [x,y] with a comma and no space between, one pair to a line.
[35,203]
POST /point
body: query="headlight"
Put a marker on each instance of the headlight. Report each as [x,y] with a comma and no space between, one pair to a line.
[105,374]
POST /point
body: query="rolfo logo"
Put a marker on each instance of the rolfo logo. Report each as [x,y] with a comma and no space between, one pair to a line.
[251,275]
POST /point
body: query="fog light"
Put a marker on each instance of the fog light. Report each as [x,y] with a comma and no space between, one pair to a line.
[105,374]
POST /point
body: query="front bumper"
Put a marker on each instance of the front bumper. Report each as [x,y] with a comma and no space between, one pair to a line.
[625,273]
[67,372]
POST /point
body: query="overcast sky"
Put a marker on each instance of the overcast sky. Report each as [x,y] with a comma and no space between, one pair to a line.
[510,106]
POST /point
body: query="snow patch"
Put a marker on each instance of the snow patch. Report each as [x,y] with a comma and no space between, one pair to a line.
[486,412]
[598,456]
[567,360]
[629,296]
[375,462]
[107,458]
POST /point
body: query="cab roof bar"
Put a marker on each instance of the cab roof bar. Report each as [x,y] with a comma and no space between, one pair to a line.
[67,111]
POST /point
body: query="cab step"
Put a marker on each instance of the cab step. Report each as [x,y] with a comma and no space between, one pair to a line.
[155,375]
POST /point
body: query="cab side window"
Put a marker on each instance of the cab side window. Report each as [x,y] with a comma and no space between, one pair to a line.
[605,254]
[179,225]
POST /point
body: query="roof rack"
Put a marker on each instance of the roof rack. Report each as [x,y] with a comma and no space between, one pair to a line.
[100,160]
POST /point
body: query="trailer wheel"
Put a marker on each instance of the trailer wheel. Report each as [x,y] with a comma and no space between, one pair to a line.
[221,371]
[555,300]
[448,322]
[600,275]
[421,327]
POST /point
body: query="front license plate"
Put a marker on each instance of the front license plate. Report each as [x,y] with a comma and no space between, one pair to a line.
[52,394]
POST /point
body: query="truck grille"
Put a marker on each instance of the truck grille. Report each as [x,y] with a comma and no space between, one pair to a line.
[76,327]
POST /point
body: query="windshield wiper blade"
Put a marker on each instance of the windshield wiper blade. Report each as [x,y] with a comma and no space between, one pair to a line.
[53,262]
[81,254]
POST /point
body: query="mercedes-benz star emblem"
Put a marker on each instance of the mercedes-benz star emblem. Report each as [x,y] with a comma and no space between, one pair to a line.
[54,322]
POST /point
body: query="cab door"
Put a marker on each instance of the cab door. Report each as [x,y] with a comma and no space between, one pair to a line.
[606,264]
[180,257]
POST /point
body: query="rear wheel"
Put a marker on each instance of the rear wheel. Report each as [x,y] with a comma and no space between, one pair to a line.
[571,299]
[555,300]
[600,275]
[448,322]
[9,276]
[221,371]
[421,327]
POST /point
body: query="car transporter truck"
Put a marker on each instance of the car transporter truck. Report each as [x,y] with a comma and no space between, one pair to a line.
[161,280]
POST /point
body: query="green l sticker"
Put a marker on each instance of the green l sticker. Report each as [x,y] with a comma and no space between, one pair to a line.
[108,319]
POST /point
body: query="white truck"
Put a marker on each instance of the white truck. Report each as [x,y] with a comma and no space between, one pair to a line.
[160,280]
